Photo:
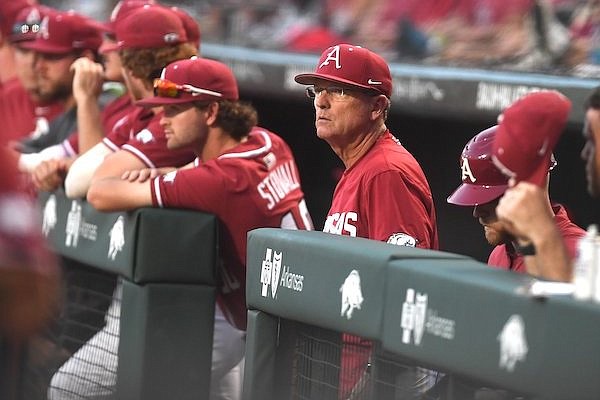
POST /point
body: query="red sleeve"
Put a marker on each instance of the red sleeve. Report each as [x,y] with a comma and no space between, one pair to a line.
[196,189]
[396,206]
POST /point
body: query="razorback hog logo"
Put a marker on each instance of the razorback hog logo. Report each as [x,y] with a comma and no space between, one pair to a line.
[117,238]
[513,343]
[352,297]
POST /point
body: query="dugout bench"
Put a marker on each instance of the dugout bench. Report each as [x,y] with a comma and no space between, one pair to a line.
[425,308]
[167,260]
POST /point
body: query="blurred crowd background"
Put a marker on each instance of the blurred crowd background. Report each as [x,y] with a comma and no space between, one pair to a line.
[550,36]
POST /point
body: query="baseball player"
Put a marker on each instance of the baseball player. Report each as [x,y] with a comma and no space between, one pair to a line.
[483,186]
[22,110]
[383,193]
[243,174]
[138,141]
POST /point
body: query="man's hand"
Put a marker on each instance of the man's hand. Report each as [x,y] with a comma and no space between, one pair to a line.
[50,175]
[525,211]
[145,174]
[87,80]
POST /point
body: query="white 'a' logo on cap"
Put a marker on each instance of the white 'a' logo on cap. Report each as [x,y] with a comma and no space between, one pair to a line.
[44,28]
[465,170]
[334,55]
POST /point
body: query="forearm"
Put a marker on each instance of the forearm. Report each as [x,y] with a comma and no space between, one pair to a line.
[89,123]
[28,162]
[80,174]
[551,260]
[114,194]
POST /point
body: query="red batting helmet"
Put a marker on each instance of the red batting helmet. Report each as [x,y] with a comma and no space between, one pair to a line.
[482,181]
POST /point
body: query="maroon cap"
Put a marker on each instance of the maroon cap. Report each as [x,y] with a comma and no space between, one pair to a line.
[27,23]
[149,27]
[351,65]
[121,10]
[528,131]
[482,182]
[63,32]
[197,79]
[191,26]
[9,9]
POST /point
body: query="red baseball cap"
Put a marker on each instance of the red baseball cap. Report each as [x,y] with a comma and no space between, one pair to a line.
[351,65]
[27,23]
[148,27]
[9,9]
[191,80]
[121,10]
[191,26]
[482,182]
[62,32]
[528,131]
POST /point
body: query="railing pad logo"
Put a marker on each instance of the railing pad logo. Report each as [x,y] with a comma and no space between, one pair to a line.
[274,274]
[352,297]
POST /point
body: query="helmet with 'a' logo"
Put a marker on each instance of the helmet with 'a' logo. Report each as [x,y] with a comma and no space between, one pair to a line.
[482,182]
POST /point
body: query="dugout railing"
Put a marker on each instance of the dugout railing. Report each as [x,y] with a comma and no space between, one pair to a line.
[485,332]
[166,260]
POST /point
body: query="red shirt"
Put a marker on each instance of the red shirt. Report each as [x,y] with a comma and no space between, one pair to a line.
[21,116]
[140,133]
[385,196]
[254,185]
[505,257]
[112,115]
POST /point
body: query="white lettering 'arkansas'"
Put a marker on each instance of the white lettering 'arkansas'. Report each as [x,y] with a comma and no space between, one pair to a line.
[278,184]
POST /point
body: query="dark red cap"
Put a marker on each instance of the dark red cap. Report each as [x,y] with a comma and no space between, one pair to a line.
[121,10]
[351,65]
[528,131]
[9,9]
[482,182]
[27,23]
[213,79]
[63,32]
[191,26]
[149,27]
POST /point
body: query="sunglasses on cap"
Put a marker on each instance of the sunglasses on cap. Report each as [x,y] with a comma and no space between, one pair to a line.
[166,88]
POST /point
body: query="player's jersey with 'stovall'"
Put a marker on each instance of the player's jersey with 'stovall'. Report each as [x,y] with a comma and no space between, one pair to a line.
[256,184]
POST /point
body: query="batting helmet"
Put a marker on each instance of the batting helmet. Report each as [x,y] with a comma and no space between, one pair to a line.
[482,180]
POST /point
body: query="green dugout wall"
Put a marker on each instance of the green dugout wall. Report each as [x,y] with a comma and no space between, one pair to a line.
[167,259]
[434,309]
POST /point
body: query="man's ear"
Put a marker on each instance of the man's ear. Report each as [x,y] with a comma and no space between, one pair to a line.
[212,110]
[380,105]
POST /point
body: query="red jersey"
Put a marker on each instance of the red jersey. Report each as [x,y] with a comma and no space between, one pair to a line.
[140,133]
[21,116]
[505,257]
[111,116]
[254,185]
[385,196]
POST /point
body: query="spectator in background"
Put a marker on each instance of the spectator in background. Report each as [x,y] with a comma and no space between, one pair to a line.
[383,193]
[238,166]
[483,186]
[528,131]
[22,111]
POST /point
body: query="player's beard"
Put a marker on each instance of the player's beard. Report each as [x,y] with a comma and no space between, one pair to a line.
[495,236]
[61,91]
